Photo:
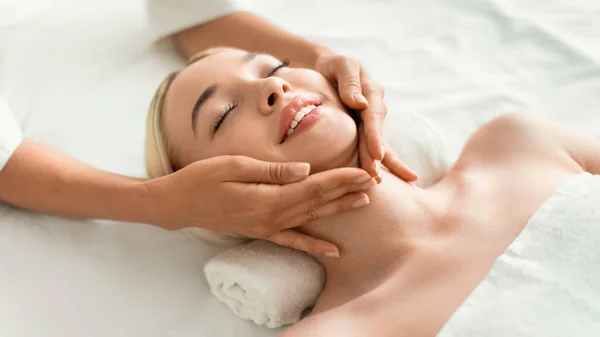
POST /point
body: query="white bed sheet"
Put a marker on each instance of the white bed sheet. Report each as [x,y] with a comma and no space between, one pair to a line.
[80,79]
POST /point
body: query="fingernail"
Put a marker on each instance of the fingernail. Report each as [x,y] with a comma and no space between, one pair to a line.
[368,184]
[359,98]
[300,169]
[362,179]
[360,203]
[382,151]
[332,254]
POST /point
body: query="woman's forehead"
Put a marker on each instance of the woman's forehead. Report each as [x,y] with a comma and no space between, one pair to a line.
[220,60]
[194,78]
[212,68]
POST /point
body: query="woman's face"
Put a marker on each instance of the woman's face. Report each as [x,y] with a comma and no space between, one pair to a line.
[238,103]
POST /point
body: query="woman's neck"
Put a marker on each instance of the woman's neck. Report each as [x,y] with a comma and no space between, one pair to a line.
[376,239]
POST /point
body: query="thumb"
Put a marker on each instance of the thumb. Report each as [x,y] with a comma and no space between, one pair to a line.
[350,89]
[249,170]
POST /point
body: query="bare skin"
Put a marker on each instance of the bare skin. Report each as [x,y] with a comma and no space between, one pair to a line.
[413,256]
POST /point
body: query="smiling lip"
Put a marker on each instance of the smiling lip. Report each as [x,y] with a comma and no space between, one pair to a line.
[290,110]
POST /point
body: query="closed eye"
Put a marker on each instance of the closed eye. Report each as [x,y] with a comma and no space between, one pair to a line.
[221,118]
[283,64]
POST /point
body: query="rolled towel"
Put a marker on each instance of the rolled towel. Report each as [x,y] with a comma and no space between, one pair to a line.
[266,283]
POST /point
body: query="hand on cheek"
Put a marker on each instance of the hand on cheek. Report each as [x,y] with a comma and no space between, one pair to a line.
[360,92]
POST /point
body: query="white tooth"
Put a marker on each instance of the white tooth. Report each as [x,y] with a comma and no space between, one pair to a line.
[289,132]
[299,115]
[294,123]
[303,112]
[307,109]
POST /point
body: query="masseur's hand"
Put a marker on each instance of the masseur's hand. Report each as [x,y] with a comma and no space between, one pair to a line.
[235,194]
[358,91]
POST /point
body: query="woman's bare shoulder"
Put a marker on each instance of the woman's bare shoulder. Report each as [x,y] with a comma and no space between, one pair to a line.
[516,139]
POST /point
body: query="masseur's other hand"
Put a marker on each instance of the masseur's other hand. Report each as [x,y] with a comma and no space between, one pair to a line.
[236,194]
[358,91]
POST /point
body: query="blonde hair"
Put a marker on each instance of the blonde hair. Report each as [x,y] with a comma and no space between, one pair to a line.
[159,157]
[158,162]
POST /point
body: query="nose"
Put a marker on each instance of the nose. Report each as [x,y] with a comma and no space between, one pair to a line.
[273,91]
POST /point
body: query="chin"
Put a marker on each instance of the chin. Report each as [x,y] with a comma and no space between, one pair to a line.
[332,142]
[329,153]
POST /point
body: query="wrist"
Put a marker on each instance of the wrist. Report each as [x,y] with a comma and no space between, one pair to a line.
[153,205]
[315,51]
[146,202]
[128,200]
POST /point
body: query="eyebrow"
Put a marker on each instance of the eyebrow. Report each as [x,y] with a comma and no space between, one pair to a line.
[251,56]
[206,94]
[210,91]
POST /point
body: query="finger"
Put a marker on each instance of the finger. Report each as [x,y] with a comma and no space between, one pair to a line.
[250,170]
[398,168]
[315,187]
[349,84]
[345,203]
[296,240]
[372,119]
[367,162]
[311,210]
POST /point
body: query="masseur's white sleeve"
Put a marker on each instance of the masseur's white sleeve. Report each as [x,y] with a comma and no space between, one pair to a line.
[170,16]
[10,134]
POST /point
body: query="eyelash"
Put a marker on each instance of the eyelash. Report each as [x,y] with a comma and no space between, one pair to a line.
[222,116]
[233,105]
[283,64]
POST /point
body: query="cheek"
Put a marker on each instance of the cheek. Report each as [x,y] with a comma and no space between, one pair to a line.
[311,80]
[246,137]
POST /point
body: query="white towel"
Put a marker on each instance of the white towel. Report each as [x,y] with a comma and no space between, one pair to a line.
[271,285]
[266,283]
[547,283]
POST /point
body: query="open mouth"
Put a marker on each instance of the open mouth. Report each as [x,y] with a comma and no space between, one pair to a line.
[298,117]
[294,113]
